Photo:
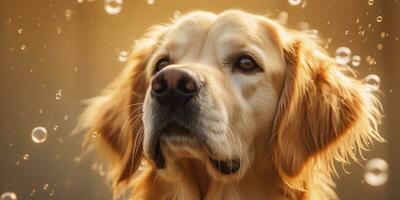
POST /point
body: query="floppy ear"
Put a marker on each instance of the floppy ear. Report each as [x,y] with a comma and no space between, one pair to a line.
[324,114]
[116,115]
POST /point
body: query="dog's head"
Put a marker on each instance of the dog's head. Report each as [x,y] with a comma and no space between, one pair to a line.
[233,91]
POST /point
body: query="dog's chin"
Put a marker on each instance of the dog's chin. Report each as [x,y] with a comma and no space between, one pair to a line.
[177,142]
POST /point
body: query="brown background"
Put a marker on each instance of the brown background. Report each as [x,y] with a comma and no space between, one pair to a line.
[83,57]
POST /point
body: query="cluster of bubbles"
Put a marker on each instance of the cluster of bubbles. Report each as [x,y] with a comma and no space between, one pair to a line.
[39,134]
[8,196]
[343,57]
[376,172]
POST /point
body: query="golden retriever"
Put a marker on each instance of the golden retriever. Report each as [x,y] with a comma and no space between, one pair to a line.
[231,106]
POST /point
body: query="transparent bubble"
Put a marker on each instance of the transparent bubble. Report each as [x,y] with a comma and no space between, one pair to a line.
[25,156]
[68,14]
[8,196]
[39,134]
[20,30]
[356,60]
[379,18]
[52,193]
[32,192]
[376,172]
[370,2]
[373,82]
[59,29]
[123,56]
[113,7]
[66,117]
[371,60]
[55,127]
[95,134]
[294,2]
[23,47]
[379,46]
[343,55]
[151,2]
[46,186]
[58,95]
[80,1]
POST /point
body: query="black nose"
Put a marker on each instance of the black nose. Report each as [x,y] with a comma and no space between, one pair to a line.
[174,86]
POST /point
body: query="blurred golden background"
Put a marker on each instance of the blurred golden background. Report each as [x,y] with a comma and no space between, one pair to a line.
[55,53]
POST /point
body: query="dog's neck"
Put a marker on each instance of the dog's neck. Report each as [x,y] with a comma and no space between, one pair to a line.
[260,182]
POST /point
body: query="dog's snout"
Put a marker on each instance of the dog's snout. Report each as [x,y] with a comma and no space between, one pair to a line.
[174,86]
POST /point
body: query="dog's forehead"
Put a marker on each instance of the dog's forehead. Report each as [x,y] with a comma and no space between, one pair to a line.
[198,28]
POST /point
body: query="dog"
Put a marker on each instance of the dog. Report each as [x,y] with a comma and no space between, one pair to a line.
[231,106]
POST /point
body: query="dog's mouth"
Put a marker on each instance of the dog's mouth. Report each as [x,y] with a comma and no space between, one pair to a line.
[178,135]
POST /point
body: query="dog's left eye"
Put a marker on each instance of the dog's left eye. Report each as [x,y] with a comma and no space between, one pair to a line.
[246,63]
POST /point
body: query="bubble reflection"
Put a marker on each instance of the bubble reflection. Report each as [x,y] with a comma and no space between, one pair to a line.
[376,172]
[39,134]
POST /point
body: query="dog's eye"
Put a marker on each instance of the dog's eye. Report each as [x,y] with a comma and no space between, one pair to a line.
[161,63]
[246,64]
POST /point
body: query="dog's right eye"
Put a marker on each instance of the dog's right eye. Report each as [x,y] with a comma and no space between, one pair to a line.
[161,63]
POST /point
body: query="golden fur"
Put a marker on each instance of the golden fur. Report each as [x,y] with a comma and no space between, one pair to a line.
[289,125]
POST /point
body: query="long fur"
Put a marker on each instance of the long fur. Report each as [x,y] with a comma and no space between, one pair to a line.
[324,115]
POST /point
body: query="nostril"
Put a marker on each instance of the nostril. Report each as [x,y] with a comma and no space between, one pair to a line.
[187,86]
[159,85]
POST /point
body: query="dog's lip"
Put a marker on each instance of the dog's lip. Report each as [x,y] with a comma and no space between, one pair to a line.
[226,166]
[158,156]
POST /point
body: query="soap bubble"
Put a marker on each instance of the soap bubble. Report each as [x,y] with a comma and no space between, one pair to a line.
[113,7]
[379,46]
[25,156]
[46,186]
[68,14]
[58,95]
[8,196]
[343,55]
[379,18]
[66,117]
[95,134]
[59,29]
[39,134]
[23,47]
[123,56]
[294,2]
[370,2]
[356,60]
[373,82]
[20,30]
[151,2]
[376,172]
